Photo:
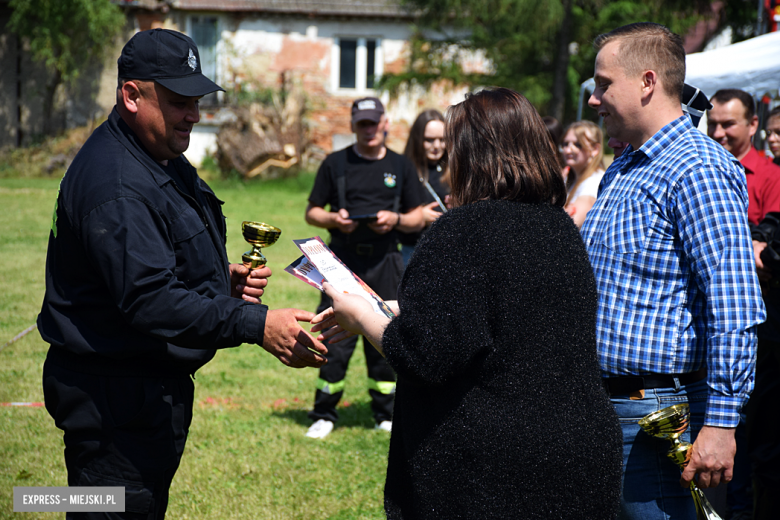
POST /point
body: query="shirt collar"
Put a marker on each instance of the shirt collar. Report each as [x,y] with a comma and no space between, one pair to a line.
[653,147]
[752,161]
[656,145]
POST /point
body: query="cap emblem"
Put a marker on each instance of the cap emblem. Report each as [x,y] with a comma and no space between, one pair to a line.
[192,61]
[366,104]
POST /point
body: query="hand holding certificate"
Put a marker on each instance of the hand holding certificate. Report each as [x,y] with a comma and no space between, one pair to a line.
[318,265]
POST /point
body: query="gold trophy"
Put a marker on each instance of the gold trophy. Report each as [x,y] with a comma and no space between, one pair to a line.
[670,423]
[258,234]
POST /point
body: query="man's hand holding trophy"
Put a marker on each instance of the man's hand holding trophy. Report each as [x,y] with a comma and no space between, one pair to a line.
[670,423]
[249,279]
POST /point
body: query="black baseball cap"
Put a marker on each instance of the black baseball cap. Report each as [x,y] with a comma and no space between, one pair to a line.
[167,57]
[369,108]
[694,103]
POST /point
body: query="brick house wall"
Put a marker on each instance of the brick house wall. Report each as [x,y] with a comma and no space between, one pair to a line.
[241,41]
[258,42]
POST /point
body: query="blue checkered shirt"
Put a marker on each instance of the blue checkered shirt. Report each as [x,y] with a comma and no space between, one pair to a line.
[670,246]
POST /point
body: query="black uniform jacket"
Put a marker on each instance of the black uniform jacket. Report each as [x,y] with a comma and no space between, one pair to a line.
[137,278]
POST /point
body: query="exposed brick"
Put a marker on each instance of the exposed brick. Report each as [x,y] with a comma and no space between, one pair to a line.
[301,56]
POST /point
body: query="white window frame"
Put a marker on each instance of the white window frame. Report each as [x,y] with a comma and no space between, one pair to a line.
[361,74]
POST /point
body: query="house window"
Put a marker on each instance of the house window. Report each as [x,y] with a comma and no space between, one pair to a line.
[348,64]
[359,63]
[204,33]
[370,62]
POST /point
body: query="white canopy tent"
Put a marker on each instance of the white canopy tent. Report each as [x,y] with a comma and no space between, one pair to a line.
[752,65]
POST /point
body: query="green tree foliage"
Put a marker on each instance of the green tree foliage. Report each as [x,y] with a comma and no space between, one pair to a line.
[528,41]
[66,36]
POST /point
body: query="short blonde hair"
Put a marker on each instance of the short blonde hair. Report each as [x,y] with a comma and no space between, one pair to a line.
[649,46]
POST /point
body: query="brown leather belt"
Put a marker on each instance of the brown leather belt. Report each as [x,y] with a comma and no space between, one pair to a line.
[628,384]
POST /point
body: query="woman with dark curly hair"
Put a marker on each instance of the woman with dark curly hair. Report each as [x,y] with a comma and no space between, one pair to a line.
[499,409]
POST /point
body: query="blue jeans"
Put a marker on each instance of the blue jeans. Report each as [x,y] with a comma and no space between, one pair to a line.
[651,481]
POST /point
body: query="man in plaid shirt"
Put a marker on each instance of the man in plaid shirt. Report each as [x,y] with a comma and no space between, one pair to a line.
[679,299]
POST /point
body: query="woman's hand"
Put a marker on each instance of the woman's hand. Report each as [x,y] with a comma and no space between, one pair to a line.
[349,310]
[332,331]
[353,314]
[431,213]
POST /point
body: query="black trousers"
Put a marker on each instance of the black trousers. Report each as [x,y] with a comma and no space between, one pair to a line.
[121,431]
[383,274]
[763,431]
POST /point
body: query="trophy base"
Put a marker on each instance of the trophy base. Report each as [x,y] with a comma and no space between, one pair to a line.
[669,423]
[253,260]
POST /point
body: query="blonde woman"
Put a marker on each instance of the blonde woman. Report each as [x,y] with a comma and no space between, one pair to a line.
[583,154]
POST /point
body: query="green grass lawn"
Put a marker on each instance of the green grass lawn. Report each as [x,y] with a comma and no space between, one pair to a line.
[246,456]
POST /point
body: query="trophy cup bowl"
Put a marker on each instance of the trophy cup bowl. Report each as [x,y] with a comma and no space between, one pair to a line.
[670,423]
[259,235]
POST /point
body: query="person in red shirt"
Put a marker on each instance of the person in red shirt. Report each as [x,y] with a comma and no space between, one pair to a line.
[732,122]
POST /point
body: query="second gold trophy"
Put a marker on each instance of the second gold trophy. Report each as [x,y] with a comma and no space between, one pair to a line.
[670,423]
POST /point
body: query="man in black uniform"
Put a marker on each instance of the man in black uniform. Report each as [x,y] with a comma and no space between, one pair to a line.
[139,291]
[372,193]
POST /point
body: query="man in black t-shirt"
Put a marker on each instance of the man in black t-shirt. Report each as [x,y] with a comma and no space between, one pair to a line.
[371,194]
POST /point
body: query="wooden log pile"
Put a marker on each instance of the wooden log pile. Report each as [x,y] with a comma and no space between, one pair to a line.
[267,140]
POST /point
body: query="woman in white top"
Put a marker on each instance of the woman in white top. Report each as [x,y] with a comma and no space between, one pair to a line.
[583,153]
